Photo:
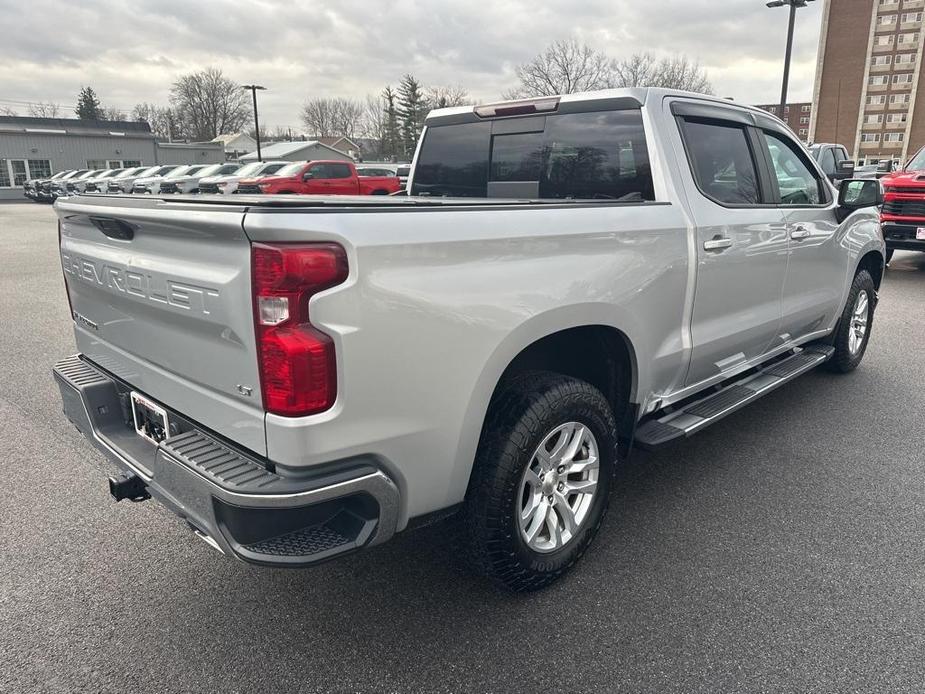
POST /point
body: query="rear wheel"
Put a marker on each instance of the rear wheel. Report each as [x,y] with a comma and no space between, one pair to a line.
[540,485]
[853,331]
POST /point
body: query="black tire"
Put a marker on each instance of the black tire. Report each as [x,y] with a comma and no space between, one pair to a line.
[844,360]
[519,419]
[889,255]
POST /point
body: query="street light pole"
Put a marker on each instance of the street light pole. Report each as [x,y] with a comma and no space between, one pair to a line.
[253,90]
[794,5]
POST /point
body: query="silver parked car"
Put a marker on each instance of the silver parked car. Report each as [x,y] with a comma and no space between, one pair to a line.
[301,377]
[229,183]
[152,184]
[189,183]
[145,177]
[75,184]
[98,183]
[122,183]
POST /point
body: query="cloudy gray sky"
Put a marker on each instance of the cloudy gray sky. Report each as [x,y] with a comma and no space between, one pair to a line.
[132,51]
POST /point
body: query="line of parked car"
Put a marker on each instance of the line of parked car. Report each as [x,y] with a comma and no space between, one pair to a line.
[267,177]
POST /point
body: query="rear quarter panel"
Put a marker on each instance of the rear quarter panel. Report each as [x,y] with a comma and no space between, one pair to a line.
[438,302]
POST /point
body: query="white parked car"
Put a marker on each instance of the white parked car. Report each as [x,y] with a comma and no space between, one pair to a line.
[189,183]
[229,183]
[123,182]
[153,184]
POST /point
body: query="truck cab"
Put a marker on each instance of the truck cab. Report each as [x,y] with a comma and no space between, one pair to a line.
[833,160]
[903,214]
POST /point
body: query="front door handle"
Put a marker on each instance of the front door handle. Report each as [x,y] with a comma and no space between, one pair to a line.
[717,244]
[800,232]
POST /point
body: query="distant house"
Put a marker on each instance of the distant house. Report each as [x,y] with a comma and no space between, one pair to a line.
[236,144]
[298,151]
[344,144]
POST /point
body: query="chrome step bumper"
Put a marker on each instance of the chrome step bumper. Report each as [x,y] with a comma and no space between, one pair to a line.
[234,501]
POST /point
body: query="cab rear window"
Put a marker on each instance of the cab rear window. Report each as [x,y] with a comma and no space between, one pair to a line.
[597,155]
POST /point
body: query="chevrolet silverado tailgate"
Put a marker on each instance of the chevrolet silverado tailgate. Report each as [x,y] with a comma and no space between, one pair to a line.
[161,297]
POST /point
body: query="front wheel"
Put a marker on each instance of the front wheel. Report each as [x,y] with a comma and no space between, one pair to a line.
[854,326]
[540,485]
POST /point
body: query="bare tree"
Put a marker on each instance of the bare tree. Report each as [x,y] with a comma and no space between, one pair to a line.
[111,113]
[332,117]
[209,104]
[347,114]
[442,97]
[317,118]
[678,72]
[7,111]
[44,109]
[162,120]
[565,67]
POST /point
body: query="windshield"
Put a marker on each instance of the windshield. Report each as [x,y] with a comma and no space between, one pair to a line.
[291,169]
[130,172]
[150,171]
[207,171]
[248,169]
[917,163]
[181,171]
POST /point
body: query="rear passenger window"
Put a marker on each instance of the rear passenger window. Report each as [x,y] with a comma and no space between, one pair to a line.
[598,155]
[339,171]
[722,162]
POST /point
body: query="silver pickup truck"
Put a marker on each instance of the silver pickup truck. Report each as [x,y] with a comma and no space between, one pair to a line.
[301,377]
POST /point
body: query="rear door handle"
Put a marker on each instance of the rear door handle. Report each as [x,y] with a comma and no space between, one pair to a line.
[800,232]
[717,244]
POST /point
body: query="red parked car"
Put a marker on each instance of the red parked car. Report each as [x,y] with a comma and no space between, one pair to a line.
[320,178]
[902,216]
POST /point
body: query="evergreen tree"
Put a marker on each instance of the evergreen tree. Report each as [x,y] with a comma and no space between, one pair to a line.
[88,105]
[411,110]
[391,136]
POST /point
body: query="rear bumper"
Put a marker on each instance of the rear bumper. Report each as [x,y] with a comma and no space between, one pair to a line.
[231,499]
[901,235]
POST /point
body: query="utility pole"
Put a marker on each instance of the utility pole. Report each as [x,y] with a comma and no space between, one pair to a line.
[253,90]
[794,5]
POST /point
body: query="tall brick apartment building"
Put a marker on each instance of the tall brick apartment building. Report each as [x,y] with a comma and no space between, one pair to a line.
[867,78]
[795,115]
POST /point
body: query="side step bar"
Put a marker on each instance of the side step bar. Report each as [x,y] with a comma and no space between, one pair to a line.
[700,414]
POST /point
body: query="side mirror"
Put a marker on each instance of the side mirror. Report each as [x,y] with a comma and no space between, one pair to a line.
[843,169]
[307,176]
[857,193]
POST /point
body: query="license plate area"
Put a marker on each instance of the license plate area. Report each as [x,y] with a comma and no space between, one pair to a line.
[920,233]
[150,419]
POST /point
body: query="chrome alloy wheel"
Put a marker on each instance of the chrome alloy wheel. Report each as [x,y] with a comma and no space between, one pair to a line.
[860,316]
[557,488]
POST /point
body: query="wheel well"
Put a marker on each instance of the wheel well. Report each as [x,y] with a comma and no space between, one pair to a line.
[597,354]
[873,263]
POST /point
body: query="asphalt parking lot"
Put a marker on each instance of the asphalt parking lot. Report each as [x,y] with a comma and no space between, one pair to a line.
[782,550]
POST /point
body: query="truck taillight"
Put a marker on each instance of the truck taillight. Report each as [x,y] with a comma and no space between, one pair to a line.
[298,374]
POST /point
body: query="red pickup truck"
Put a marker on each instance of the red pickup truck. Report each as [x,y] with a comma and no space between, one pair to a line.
[320,178]
[902,216]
